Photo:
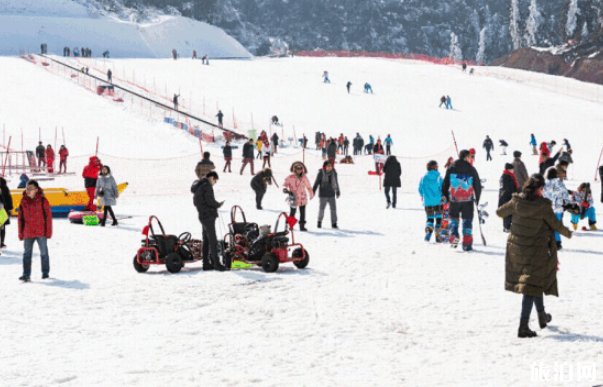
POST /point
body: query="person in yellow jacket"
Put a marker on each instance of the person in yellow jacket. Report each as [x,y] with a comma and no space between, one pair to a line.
[259,145]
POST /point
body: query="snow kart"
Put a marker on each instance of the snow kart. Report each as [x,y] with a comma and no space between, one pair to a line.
[169,250]
[248,243]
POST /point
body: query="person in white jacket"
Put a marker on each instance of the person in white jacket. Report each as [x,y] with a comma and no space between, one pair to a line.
[555,191]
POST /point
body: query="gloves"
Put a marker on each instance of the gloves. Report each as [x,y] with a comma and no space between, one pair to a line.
[572,208]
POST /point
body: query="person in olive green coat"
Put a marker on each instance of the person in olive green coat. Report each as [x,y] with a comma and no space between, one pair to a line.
[531,257]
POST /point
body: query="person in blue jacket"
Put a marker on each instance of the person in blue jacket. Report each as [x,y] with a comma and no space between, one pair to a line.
[388,145]
[533,143]
[430,189]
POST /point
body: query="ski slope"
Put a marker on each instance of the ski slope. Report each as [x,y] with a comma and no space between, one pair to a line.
[377,306]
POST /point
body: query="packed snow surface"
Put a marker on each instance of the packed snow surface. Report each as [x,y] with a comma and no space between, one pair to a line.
[377,306]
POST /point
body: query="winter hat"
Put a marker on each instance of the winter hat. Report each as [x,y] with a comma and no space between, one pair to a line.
[472,151]
[565,163]
[324,165]
[517,154]
[299,163]
[509,166]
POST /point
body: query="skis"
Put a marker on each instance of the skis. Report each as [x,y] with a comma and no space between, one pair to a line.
[482,216]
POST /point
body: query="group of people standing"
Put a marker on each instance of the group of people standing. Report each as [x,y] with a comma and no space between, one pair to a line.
[46,157]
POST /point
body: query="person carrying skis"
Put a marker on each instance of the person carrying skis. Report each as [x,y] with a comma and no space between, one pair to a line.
[259,184]
[531,257]
[63,153]
[50,159]
[227,151]
[533,143]
[430,189]
[41,154]
[328,190]
[248,156]
[584,198]
[348,86]
[90,175]
[503,147]
[519,169]
[508,187]
[204,166]
[220,116]
[388,145]
[296,186]
[488,146]
[392,171]
[555,191]
[462,187]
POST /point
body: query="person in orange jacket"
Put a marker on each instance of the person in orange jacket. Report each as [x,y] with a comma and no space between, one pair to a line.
[50,159]
[63,153]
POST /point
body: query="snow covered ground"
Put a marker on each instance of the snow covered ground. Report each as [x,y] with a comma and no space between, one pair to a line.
[376,307]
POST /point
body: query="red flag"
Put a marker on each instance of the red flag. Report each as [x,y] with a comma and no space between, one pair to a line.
[291,221]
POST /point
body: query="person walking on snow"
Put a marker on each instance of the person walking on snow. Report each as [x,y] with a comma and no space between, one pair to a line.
[430,189]
[296,185]
[328,190]
[248,156]
[392,171]
[106,190]
[63,153]
[488,146]
[531,255]
[503,147]
[388,145]
[508,187]
[204,166]
[227,156]
[50,159]
[348,86]
[90,175]
[41,154]
[533,143]
[519,169]
[35,225]
[461,187]
[325,75]
[220,116]
[259,184]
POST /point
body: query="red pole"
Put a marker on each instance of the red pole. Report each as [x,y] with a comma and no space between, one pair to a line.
[598,162]
[201,145]
[6,158]
[96,154]
[457,148]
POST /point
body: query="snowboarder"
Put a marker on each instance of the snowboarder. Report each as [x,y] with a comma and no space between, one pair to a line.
[325,76]
[488,146]
[41,154]
[90,175]
[175,100]
[555,191]
[531,259]
[348,86]
[583,197]
[107,193]
[388,145]
[503,147]
[227,156]
[449,103]
[204,166]
[328,190]
[259,184]
[519,169]
[220,116]
[368,88]
[392,170]
[508,186]
[35,225]
[50,159]
[430,189]
[443,101]
[109,76]
[462,187]
[248,156]
[63,153]
[296,185]
[207,207]
[533,143]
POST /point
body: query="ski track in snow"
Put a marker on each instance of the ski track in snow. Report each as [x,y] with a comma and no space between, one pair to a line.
[376,306]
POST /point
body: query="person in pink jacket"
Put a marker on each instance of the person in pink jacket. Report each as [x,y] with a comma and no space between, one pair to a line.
[296,186]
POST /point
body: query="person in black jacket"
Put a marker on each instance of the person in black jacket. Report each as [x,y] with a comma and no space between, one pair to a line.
[175,100]
[109,75]
[220,116]
[328,190]
[275,139]
[7,200]
[259,184]
[346,145]
[248,156]
[392,170]
[41,154]
[488,146]
[348,86]
[508,186]
[548,162]
[461,187]
[227,156]
[332,151]
[360,145]
[207,206]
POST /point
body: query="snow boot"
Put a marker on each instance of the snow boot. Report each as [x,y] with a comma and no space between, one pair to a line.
[207,265]
[544,318]
[24,278]
[302,226]
[559,247]
[593,227]
[428,232]
[454,241]
[524,329]
[388,205]
[45,276]
[219,267]
[334,225]
[319,225]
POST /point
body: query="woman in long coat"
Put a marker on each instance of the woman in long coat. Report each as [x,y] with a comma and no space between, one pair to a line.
[392,170]
[531,257]
[107,193]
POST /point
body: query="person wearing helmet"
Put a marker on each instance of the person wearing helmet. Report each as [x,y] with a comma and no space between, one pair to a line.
[430,189]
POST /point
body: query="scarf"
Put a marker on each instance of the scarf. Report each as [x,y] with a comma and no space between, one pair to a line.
[507,172]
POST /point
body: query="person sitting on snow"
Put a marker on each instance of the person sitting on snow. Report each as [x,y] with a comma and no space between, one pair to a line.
[583,196]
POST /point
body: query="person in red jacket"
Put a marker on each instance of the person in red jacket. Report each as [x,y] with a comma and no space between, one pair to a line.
[35,225]
[90,176]
[50,159]
[63,153]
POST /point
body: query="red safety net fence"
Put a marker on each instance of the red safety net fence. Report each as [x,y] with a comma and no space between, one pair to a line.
[387,55]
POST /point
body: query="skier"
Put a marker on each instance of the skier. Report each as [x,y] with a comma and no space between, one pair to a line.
[107,193]
[443,101]
[227,151]
[50,159]
[63,153]
[488,146]
[508,186]
[41,154]
[207,207]
[392,170]
[248,156]
[109,76]
[503,147]
[449,103]
[204,166]
[555,191]
[90,175]
[530,259]
[430,189]
[175,100]
[220,116]
[296,185]
[519,169]
[259,184]
[328,190]
[388,145]
[583,197]
[533,143]
[348,86]
[325,75]
[332,151]
[461,187]
[368,88]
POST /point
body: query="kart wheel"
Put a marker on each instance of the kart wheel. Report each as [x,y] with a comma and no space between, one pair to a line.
[140,268]
[173,262]
[297,253]
[269,263]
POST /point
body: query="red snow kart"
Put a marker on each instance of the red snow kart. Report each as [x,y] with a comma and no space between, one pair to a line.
[169,250]
[248,243]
